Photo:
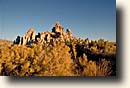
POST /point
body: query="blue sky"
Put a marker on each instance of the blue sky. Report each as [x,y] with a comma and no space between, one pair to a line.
[87,18]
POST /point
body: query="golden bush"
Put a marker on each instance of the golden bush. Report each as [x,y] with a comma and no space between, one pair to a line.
[60,59]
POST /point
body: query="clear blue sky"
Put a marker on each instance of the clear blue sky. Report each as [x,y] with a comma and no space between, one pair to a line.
[87,18]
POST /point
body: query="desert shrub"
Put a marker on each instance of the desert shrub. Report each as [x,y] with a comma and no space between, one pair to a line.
[57,61]
[91,68]
[69,58]
[39,61]
[104,68]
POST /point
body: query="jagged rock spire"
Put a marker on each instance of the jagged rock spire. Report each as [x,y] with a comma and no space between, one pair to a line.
[31,33]
[58,28]
[57,34]
[57,24]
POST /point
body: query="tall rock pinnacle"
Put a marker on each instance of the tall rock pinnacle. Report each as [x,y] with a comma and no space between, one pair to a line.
[58,28]
[57,34]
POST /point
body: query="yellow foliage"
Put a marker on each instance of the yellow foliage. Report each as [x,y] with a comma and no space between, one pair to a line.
[55,60]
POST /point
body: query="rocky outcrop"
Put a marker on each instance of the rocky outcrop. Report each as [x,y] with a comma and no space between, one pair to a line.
[57,34]
[29,37]
[58,28]
[69,33]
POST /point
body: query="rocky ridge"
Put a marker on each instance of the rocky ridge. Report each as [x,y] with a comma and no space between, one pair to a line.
[57,53]
[57,34]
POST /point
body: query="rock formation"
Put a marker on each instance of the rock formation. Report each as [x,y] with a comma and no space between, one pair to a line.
[57,34]
[29,37]
[58,28]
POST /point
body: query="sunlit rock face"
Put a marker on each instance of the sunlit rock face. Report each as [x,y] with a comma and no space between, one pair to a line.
[57,34]
[29,37]
[68,32]
[30,34]
[58,28]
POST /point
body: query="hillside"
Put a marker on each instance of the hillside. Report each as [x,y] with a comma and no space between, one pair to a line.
[4,42]
[57,53]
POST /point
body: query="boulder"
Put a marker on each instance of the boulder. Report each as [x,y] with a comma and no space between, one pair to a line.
[17,41]
[69,32]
